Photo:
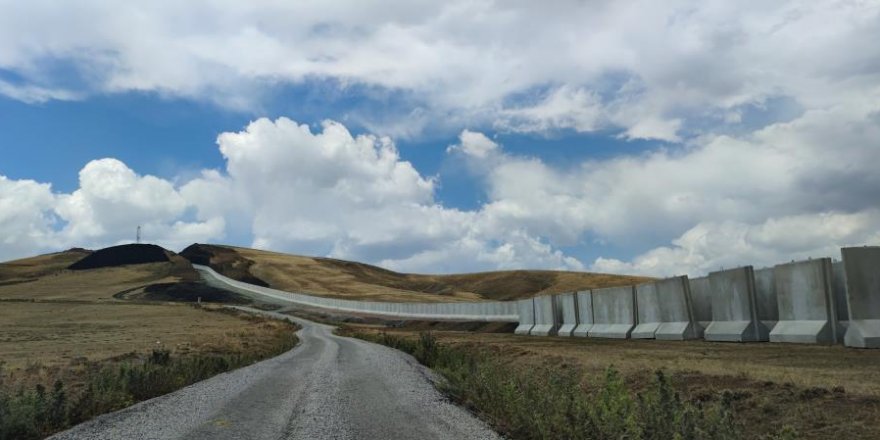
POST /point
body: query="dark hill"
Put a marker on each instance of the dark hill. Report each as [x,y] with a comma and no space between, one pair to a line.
[122,255]
[224,260]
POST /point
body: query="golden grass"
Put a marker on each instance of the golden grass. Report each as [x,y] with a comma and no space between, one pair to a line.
[90,285]
[350,280]
[46,277]
[801,365]
[60,333]
[28,269]
[820,391]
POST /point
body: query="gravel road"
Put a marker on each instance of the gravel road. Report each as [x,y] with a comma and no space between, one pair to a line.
[328,387]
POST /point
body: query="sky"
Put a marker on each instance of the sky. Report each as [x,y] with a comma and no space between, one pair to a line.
[642,137]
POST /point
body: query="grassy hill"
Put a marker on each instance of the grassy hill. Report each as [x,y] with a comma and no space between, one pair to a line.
[49,277]
[351,280]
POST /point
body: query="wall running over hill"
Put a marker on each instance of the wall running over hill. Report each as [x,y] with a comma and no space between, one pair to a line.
[812,301]
[500,311]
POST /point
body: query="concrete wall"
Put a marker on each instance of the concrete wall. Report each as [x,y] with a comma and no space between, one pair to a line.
[862,267]
[676,310]
[568,310]
[546,316]
[585,314]
[765,295]
[503,311]
[806,305]
[526,310]
[701,294]
[614,312]
[734,307]
[648,307]
[838,291]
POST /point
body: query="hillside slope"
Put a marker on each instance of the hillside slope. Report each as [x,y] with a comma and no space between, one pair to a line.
[351,280]
[50,277]
[29,269]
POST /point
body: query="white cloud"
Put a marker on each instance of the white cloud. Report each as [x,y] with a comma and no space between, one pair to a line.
[25,217]
[32,94]
[713,246]
[791,190]
[474,144]
[646,68]
[333,193]
[725,189]
[106,209]
[564,108]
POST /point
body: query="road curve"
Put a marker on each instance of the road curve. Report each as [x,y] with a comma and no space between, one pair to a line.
[328,387]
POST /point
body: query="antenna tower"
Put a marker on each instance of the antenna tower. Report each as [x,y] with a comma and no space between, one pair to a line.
[139,234]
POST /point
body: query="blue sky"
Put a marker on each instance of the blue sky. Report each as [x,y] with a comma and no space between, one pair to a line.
[435,137]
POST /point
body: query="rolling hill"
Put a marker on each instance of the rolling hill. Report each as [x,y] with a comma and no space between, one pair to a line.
[83,275]
[351,280]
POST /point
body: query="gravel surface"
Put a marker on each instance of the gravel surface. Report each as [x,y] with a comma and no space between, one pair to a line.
[328,387]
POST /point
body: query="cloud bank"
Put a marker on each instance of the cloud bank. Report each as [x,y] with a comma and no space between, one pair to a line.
[763,117]
[795,189]
[646,69]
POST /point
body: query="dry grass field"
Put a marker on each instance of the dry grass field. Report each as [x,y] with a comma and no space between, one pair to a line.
[60,333]
[53,318]
[350,280]
[820,391]
[46,277]
[29,269]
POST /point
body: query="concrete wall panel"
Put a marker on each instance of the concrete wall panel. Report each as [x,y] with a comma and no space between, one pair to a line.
[546,316]
[765,294]
[648,306]
[676,310]
[614,312]
[838,290]
[806,305]
[701,294]
[585,314]
[862,267]
[734,307]
[567,303]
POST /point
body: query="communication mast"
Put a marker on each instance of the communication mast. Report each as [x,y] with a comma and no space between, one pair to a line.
[139,234]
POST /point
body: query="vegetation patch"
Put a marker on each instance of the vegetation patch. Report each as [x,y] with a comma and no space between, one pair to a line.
[40,401]
[528,403]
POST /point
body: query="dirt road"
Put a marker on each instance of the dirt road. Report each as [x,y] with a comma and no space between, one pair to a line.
[328,387]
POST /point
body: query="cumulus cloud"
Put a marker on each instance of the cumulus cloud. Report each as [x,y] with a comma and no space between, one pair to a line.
[25,217]
[795,189]
[713,246]
[790,190]
[112,200]
[337,194]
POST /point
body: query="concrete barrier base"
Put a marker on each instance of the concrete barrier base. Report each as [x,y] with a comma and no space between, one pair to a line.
[863,333]
[803,332]
[566,330]
[544,330]
[736,331]
[678,331]
[582,330]
[612,331]
[523,329]
[645,331]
